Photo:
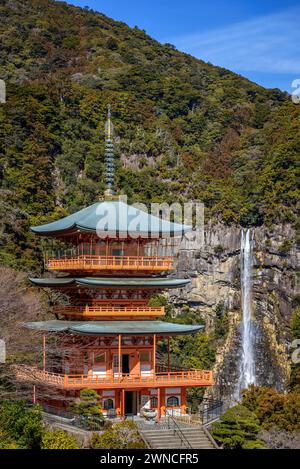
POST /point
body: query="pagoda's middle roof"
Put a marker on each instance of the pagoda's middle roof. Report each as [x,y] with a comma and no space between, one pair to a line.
[112,219]
[112,282]
[101,328]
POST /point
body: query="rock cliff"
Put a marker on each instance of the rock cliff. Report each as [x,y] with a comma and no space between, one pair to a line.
[215,271]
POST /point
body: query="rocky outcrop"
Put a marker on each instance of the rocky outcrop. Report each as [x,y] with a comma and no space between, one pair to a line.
[215,271]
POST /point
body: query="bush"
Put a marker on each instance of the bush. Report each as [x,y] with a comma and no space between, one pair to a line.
[237,429]
[58,439]
[6,442]
[218,250]
[285,247]
[273,410]
[22,423]
[112,44]
[296,324]
[88,404]
[123,435]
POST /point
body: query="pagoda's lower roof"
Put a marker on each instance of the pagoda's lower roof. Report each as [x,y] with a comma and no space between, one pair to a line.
[112,282]
[114,327]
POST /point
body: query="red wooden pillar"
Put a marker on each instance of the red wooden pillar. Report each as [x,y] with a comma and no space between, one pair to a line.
[123,404]
[183,400]
[154,354]
[118,403]
[119,356]
[168,354]
[44,352]
[158,404]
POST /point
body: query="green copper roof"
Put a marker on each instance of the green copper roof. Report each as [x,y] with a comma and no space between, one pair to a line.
[112,218]
[114,327]
[113,282]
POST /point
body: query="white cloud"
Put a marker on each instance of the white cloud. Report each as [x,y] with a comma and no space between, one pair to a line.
[268,43]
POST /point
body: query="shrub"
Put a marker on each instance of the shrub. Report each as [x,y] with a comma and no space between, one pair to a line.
[296,324]
[237,429]
[58,439]
[22,423]
[272,408]
[88,404]
[285,247]
[112,44]
[123,435]
[218,250]
[6,442]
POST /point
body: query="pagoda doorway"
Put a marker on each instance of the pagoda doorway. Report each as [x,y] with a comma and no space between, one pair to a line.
[125,364]
[131,398]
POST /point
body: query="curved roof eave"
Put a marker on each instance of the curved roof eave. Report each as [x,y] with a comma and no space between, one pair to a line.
[112,328]
[112,282]
[121,217]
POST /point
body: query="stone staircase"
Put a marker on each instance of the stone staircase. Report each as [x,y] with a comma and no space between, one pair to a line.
[193,437]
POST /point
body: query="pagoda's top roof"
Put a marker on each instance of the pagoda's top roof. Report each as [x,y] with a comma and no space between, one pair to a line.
[112,282]
[112,219]
[114,327]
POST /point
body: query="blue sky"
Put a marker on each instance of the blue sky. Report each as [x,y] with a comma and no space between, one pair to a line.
[259,39]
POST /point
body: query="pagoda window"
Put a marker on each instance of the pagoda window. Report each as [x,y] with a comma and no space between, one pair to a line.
[99,358]
[99,365]
[145,365]
[172,401]
[108,404]
[118,252]
[153,402]
[115,363]
[145,357]
[86,363]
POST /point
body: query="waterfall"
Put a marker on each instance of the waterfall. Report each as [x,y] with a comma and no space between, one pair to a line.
[246,375]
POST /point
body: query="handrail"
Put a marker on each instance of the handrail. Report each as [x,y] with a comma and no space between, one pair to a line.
[98,310]
[178,430]
[212,410]
[110,262]
[72,380]
[210,437]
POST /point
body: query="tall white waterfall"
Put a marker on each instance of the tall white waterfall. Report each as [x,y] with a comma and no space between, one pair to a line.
[247,364]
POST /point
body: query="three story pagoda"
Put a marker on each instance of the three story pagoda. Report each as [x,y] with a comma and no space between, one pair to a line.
[115,258]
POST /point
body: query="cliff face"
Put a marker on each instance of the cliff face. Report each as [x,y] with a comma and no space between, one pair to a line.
[215,272]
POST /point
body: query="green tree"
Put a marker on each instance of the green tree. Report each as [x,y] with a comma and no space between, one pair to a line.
[58,439]
[88,404]
[22,423]
[296,323]
[6,442]
[238,428]
[272,408]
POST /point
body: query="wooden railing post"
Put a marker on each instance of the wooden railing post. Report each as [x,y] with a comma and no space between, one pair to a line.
[168,354]
[119,356]
[154,354]
[158,404]
[123,404]
[44,352]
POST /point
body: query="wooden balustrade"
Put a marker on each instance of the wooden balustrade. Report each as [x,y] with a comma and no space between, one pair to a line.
[95,263]
[107,310]
[193,378]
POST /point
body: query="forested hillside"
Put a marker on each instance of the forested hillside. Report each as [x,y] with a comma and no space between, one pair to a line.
[185,129]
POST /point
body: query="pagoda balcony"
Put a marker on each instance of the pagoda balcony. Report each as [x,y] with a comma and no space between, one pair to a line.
[95,263]
[187,378]
[97,311]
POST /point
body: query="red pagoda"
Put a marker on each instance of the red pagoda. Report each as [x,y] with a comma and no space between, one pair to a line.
[107,330]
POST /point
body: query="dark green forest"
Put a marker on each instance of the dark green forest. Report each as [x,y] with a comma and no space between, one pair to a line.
[185,129]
